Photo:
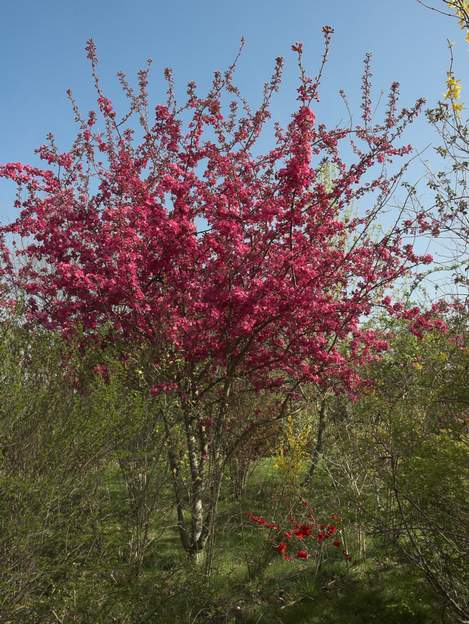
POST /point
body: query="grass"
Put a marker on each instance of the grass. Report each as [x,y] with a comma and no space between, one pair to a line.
[252,585]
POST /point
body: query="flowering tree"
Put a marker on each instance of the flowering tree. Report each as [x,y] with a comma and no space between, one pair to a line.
[229,267]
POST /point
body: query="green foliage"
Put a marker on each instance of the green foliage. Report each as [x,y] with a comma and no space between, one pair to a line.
[87,525]
[64,433]
[397,463]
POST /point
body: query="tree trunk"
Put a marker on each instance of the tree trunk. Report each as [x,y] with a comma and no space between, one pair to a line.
[179,494]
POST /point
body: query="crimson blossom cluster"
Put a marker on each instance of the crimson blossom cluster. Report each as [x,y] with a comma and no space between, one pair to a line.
[302,539]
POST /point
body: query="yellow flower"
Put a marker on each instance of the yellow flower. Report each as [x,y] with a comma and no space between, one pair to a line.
[461,10]
[453,88]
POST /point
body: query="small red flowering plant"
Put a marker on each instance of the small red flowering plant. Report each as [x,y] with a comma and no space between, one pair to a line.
[305,537]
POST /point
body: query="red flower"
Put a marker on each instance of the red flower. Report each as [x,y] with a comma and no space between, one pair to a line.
[261,521]
[303,531]
[281,548]
[102,371]
[331,530]
[337,543]
[302,554]
[256,519]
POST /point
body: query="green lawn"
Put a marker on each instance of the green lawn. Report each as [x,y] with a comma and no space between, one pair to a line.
[253,585]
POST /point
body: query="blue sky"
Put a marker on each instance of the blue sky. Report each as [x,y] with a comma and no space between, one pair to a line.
[42,54]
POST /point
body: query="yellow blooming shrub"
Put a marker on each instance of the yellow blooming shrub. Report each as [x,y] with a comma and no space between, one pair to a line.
[461,10]
[294,450]
[453,86]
